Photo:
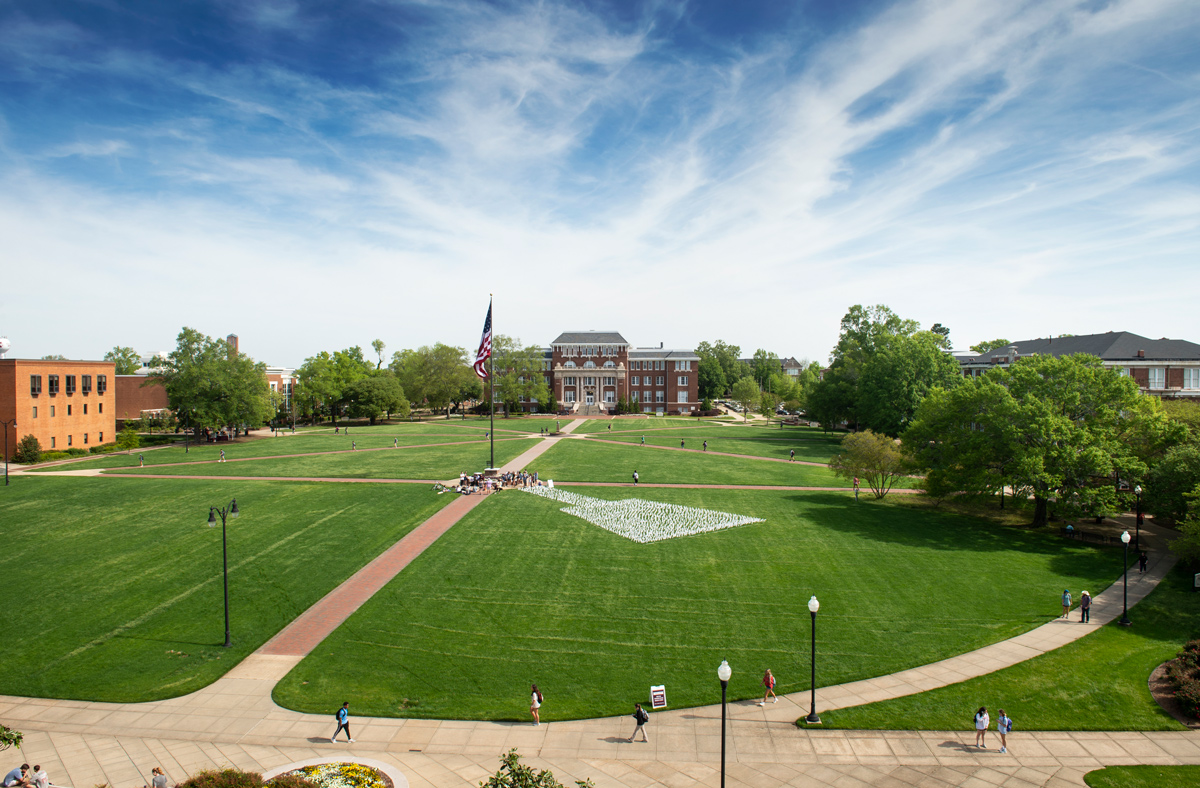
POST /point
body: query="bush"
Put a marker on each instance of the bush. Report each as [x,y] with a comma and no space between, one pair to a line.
[1184,673]
[236,778]
[77,451]
[29,451]
[10,738]
[104,448]
[52,456]
[128,439]
[514,774]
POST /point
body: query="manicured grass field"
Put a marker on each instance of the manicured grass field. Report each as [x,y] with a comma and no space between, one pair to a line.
[273,447]
[115,584]
[1144,777]
[757,444]
[439,462]
[1095,683]
[593,461]
[636,423]
[519,591]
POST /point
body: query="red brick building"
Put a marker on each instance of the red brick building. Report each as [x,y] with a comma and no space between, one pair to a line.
[597,368]
[61,403]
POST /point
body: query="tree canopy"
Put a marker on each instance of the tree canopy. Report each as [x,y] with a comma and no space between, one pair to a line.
[719,368]
[519,375]
[328,378]
[209,384]
[126,359]
[745,393]
[435,375]
[986,347]
[870,456]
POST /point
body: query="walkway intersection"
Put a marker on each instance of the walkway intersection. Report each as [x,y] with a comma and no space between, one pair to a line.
[235,722]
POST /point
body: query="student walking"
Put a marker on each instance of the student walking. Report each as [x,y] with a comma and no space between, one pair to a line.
[769,683]
[1004,727]
[856,488]
[1143,560]
[1085,611]
[343,723]
[635,478]
[395,443]
[706,445]
[643,440]
[792,455]
[1066,600]
[982,720]
[141,462]
[535,703]
[641,718]
[222,456]
[353,445]
[681,443]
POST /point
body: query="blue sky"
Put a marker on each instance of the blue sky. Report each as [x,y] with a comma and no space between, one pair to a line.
[317,175]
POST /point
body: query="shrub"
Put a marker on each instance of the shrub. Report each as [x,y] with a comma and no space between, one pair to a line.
[128,439]
[29,451]
[514,774]
[77,451]
[10,738]
[1184,673]
[236,778]
[51,456]
[105,448]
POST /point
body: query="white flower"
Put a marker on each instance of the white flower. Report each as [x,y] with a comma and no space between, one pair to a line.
[642,521]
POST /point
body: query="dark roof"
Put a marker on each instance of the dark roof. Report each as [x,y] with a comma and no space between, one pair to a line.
[791,363]
[658,352]
[590,337]
[1111,346]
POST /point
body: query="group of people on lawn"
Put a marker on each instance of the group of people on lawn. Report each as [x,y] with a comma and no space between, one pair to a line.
[471,483]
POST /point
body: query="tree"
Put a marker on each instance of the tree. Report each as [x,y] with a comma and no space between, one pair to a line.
[899,376]
[764,366]
[55,357]
[1170,481]
[518,373]
[1056,427]
[1184,413]
[719,368]
[379,347]
[745,393]
[1187,544]
[870,456]
[944,333]
[375,395]
[128,439]
[767,402]
[514,774]
[328,377]
[214,385]
[126,359]
[985,347]
[434,375]
[29,451]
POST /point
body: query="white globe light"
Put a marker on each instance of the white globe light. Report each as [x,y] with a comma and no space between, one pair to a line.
[1125,537]
[724,672]
[813,604]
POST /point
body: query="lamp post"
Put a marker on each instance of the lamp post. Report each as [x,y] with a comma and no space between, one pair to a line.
[723,673]
[230,511]
[813,607]
[13,422]
[1125,592]
[1137,520]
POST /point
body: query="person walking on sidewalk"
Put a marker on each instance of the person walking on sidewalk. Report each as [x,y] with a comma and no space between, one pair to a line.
[856,488]
[982,720]
[635,478]
[792,456]
[1004,727]
[1143,560]
[641,718]
[1085,611]
[343,723]
[535,703]
[222,456]
[769,683]
[643,440]
[1066,600]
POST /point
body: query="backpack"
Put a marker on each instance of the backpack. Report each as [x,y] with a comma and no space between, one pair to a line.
[642,717]
[540,698]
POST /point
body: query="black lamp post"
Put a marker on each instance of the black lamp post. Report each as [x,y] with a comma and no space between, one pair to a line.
[723,673]
[813,607]
[1125,592]
[13,422]
[230,511]
[1137,520]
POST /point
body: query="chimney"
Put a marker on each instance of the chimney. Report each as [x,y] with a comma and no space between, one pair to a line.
[660,345]
[1141,354]
[232,340]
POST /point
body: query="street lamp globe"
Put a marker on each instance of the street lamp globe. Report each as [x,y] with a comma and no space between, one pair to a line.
[1125,538]
[212,518]
[724,672]
[1137,490]
[813,605]
[233,510]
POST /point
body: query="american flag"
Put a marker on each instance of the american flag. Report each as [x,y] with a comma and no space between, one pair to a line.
[485,347]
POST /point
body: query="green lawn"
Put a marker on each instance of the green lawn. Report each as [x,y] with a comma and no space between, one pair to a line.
[519,591]
[439,462]
[769,444]
[1095,683]
[273,447]
[591,461]
[115,584]
[636,423]
[1144,777]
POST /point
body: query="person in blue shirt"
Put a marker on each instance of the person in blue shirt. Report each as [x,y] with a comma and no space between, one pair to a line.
[343,722]
[19,776]
[1066,600]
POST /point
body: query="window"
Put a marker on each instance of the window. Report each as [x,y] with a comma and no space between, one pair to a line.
[85,437]
[85,409]
[52,439]
[52,385]
[609,381]
[1123,371]
[85,384]
[101,384]
[634,395]
[273,386]
[51,411]
[35,385]
[683,381]
[1191,378]
[101,437]
[70,384]
[609,364]
[661,381]
[101,407]
[570,364]
[68,440]
[610,396]
[683,396]
[68,413]
[570,381]
[660,396]
[636,381]
[571,395]
[35,411]
[1158,377]
[589,364]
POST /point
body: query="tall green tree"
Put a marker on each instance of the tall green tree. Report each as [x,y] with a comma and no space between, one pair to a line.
[745,393]
[519,375]
[899,376]
[873,457]
[985,347]
[1055,427]
[433,375]
[379,346]
[719,368]
[126,359]
[373,395]
[327,377]
[764,365]
[1170,480]
[212,385]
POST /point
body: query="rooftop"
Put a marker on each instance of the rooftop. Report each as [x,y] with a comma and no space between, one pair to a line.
[590,338]
[1110,346]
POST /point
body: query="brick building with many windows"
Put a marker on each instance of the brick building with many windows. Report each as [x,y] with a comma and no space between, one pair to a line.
[61,403]
[598,368]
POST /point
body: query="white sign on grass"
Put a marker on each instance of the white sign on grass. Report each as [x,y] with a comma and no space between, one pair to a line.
[642,521]
[658,696]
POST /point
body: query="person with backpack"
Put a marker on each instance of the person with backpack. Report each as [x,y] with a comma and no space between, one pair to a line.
[641,718]
[535,703]
[982,720]
[1004,727]
[343,723]
[1066,600]
[635,478]
[792,456]
[1085,609]
[769,683]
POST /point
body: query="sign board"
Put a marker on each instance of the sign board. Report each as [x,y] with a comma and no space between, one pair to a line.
[658,694]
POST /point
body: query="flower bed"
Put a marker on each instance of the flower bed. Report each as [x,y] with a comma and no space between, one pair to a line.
[343,775]
[643,521]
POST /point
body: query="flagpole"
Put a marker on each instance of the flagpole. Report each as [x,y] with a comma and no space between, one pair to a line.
[492,393]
